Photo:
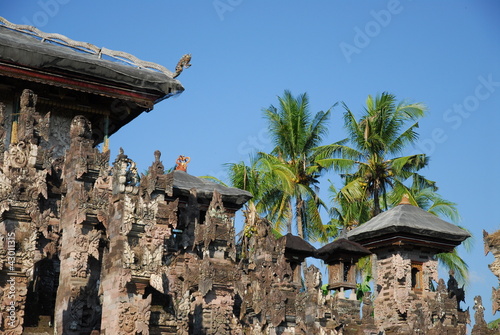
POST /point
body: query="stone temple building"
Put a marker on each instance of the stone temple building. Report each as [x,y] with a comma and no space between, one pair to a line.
[89,246]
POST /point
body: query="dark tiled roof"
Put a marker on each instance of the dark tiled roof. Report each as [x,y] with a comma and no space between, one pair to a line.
[80,60]
[298,245]
[184,182]
[408,219]
[339,248]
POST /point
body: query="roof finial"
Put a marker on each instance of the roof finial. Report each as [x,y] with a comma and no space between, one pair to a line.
[183,63]
[405,200]
[182,162]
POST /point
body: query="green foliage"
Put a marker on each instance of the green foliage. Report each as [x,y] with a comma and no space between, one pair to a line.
[285,182]
[363,287]
[375,177]
[495,324]
[324,289]
[366,159]
[452,261]
[371,161]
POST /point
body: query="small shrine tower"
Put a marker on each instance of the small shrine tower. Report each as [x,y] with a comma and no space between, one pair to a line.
[341,257]
[296,251]
[405,241]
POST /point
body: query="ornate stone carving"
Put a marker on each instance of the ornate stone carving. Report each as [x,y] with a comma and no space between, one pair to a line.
[126,177]
[18,155]
[183,63]
[59,135]
[492,244]
[129,216]
[157,168]
[84,246]
[85,310]
[26,120]
[134,316]
[42,127]
[38,186]
[80,129]
[5,187]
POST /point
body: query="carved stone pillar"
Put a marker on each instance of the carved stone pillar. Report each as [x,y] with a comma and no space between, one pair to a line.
[22,187]
[77,304]
[213,309]
[124,309]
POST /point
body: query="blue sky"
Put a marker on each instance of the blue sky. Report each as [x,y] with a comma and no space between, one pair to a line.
[245,53]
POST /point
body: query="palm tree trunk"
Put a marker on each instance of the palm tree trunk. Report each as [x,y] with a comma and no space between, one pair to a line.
[376,203]
[290,220]
[299,208]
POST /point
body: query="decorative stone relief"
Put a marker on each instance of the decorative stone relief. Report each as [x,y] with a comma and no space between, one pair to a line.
[18,155]
[134,316]
[5,187]
[4,120]
[85,246]
[126,175]
[59,135]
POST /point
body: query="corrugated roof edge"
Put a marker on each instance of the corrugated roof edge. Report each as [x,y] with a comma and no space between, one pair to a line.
[118,56]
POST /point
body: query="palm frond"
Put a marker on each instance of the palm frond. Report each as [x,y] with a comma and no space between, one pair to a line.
[452,261]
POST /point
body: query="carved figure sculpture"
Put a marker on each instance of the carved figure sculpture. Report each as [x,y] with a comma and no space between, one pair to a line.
[182,162]
[182,64]
[454,290]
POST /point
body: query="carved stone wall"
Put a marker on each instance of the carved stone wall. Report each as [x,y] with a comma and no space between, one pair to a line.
[406,296]
[492,244]
[92,248]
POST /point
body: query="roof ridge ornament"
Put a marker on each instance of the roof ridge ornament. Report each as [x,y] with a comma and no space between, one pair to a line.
[181,163]
[405,200]
[117,56]
[183,63]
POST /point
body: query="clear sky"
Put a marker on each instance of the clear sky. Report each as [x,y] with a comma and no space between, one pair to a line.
[445,54]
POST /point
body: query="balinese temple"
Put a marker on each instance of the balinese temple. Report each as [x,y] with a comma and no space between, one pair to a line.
[89,246]
[341,257]
[405,241]
[93,248]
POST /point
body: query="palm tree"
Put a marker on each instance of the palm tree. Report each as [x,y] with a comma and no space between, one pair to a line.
[344,214]
[296,134]
[267,180]
[371,166]
[285,182]
[375,175]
